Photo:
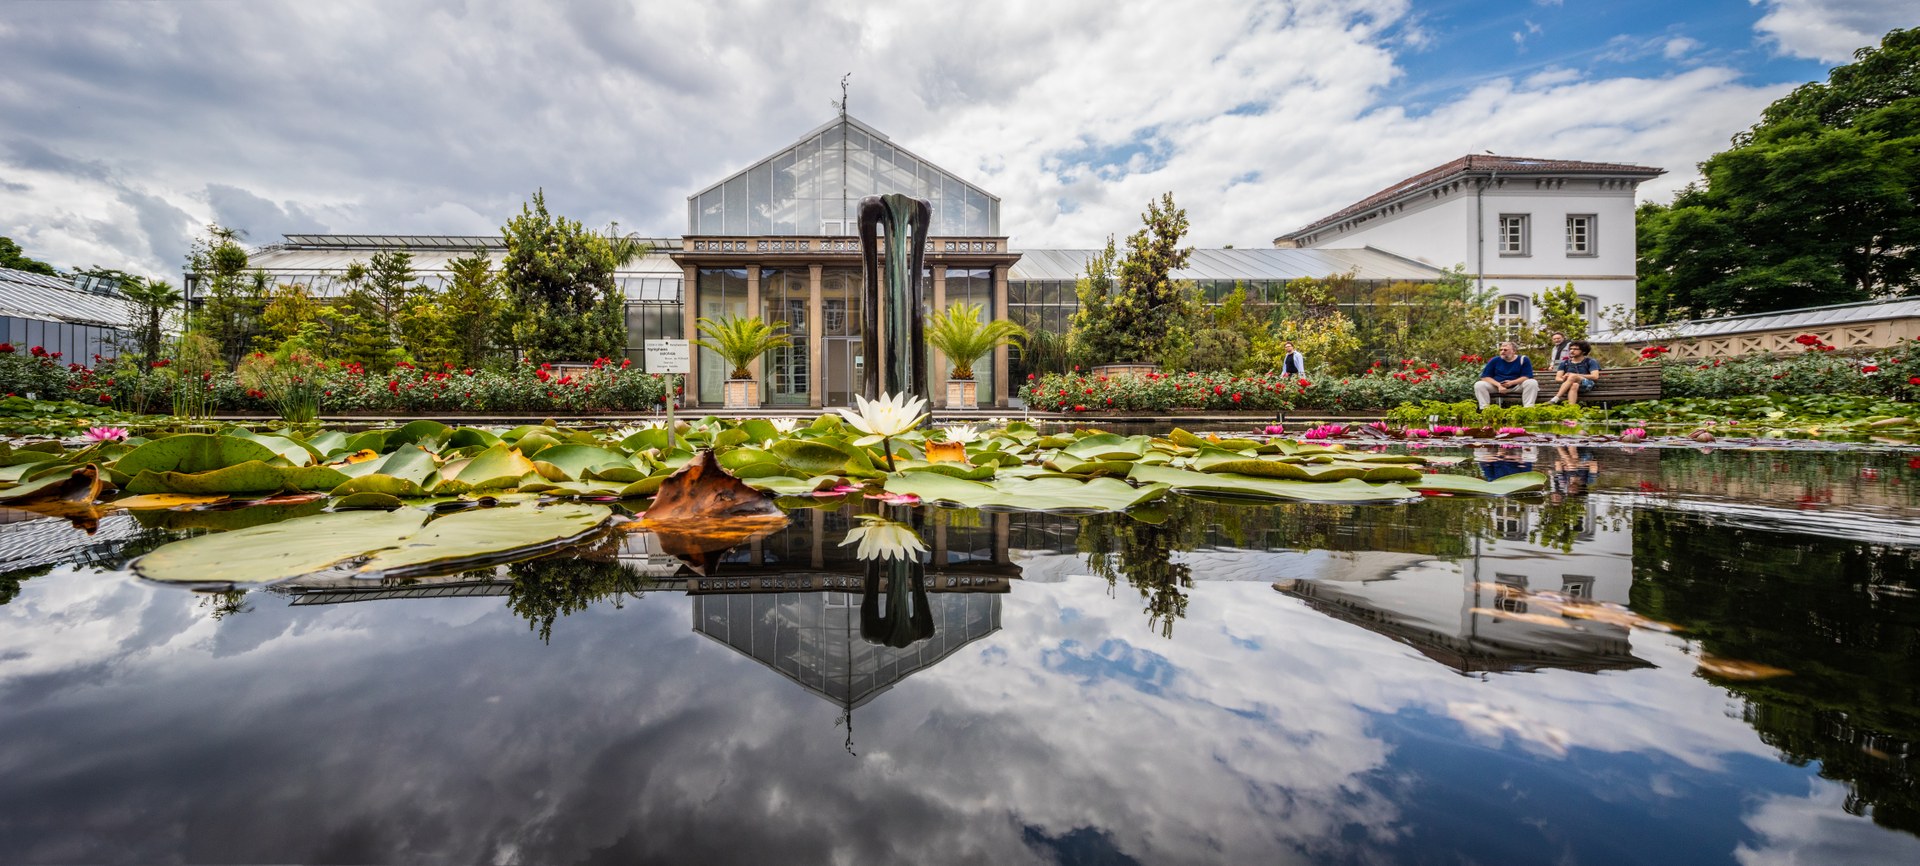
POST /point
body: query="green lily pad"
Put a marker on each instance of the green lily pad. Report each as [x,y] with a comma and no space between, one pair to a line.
[1349,490]
[472,437]
[356,501]
[192,452]
[782,485]
[411,463]
[812,457]
[495,468]
[485,533]
[573,461]
[1507,485]
[1026,494]
[293,452]
[426,433]
[382,484]
[1108,446]
[253,476]
[279,551]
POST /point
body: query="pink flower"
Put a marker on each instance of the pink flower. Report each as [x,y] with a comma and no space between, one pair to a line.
[1275,429]
[1511,431]
[1633,434]
[1418,433]
[106,434]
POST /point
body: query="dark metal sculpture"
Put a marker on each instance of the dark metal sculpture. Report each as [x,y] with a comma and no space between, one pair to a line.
[903,224]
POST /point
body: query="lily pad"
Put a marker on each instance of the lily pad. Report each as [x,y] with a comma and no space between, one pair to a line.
[1026,494]
[485,533]
[1349,490]
[495,468]
[252,476]
[192,452]
[366,500]
[279,551]
[1507,485]
[813,458]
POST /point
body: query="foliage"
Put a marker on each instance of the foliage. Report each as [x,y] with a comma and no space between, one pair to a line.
[1226,335]
[1327,342]
[458,325]
[291,380]
[231,299]
[1442,319]
[189,376]
[558,279]
[962,333]
[1467,413]
[740,340]
[152,298]
[11,256]
[1559,309]
[1778,414]
[1093,337]
[1890,373]
[1077,392]
[1146,316]
[1819,203]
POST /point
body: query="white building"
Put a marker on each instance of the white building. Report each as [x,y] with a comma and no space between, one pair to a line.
[1518,225]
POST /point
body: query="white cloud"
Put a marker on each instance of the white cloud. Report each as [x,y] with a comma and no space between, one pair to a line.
[131,124]
[1817,829]
[1830,30]
[1678,47]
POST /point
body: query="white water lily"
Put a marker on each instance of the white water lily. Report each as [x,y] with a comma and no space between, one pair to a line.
[884,539]
[961,433]
[891,415]
[785,425]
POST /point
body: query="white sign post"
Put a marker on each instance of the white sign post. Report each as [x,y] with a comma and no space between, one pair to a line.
[673,357]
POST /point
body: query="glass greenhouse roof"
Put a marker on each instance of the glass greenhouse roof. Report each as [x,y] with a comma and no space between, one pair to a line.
[1249,264]
[1806,318]
[28,295]
[814,188]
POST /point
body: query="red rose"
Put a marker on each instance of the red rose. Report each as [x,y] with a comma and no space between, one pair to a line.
[1870,368]
[1915,380]
[104,398]
[1236,398]
[1304,383]
[38,351]
[6,348]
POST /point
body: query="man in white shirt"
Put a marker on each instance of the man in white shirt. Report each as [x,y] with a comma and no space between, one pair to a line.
[1558,351]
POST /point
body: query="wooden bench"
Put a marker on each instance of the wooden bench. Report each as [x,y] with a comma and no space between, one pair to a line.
[1617,385]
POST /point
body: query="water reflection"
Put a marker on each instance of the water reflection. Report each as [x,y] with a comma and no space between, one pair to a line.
[1320,682]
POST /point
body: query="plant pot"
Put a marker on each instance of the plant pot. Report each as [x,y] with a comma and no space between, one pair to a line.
[1136,370]
[963,394]
[743,394]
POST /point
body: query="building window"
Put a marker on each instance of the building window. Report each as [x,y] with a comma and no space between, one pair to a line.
[1510,312]
[1580,235]
[1513,234]
[1589,305]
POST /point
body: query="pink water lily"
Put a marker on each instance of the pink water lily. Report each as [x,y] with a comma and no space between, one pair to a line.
[1633,434]
[895,498]
[1275,429]
[1511,431]
[106,434]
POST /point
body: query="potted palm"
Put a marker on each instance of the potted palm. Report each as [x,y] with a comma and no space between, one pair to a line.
[740,340]
[960,334]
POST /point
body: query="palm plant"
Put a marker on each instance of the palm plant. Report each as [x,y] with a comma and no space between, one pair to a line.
[740,339]
[154,298]
[959,333]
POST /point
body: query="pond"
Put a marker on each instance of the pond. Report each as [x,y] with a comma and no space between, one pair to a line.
[1672,656]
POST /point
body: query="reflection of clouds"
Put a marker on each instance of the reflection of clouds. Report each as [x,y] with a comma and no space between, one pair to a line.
[1814,829]
[136,728]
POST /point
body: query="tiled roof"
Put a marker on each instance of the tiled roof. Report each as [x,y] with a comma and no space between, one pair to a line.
[1474,164]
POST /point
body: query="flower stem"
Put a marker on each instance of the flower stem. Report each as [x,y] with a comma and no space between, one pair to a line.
[887,445]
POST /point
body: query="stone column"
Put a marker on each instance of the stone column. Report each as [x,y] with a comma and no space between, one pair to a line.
[937,360]
[817,351]
[1001,387]
[690,314]
[753,309]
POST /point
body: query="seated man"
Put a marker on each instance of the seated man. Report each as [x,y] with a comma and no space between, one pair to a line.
[1505,372]
[1576,372]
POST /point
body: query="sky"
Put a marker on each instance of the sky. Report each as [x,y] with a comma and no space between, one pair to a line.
[126,127]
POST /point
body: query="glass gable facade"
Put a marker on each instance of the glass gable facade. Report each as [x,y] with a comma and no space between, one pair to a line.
[814,188]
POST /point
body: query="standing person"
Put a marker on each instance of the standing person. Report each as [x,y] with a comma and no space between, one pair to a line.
[1505,372]
[1294,364]
[1576,373]
[1557,349]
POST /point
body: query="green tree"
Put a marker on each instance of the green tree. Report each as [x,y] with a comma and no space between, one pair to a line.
[1818,203]
[1560,311]
[455,326]
[290,311]
[558,279]
[363,332]
[153,298]
[11,256]
[1148,315]
[1091,335]
[230,299]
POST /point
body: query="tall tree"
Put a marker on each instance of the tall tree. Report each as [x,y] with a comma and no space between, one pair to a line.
[230,300]
[1818,203]
[1147,315]
[471,307]
[11,256]
[558,280]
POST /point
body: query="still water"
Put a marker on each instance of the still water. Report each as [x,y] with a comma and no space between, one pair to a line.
[1674,657]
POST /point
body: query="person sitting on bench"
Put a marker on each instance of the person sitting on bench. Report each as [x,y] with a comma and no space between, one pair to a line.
[1576,373]
[1505,372]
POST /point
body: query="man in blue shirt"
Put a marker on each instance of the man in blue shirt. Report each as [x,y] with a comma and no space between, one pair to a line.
[1504,373]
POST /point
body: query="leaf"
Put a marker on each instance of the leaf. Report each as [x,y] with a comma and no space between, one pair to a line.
[382,484]
[250,477]
[1035,494]
[426,433]
[952,470]
[279,551]
[294,452]
[166,500]
[1108,446]
[472,437]
[227,519]
[786,486]
[1519,482]
[946,452]
[702,489]
[366,500]
[1349,490]
[574,460]
[497,467]
[368,440]
[759,430]
[327,443]
[813,458]
[484,533]
[192,452]
[81,485]
[411,463]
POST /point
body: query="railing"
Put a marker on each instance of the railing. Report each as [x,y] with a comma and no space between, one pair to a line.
[833,244]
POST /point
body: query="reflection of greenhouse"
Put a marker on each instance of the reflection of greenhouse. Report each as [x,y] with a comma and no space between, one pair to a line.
[813,638]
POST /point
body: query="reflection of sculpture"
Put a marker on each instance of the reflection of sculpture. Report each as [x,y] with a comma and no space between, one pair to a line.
[903,222]
[892,553]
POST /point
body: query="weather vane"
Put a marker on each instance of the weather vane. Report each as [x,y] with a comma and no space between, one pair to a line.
[843,92]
